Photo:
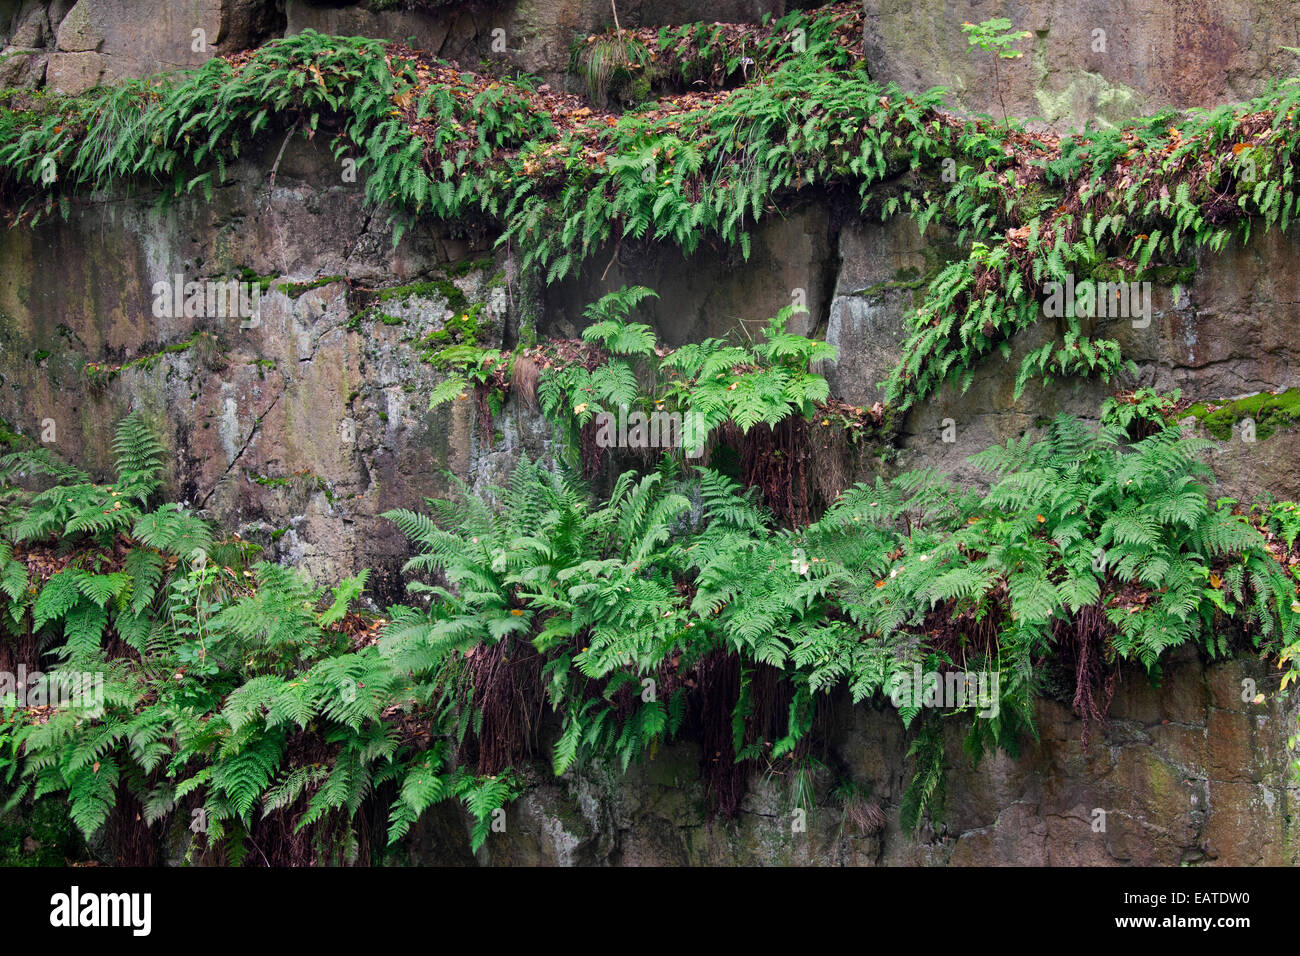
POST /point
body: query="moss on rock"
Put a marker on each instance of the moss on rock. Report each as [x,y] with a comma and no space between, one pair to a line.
[1270,411]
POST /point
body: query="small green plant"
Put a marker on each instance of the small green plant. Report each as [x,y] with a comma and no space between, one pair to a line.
[1140,413]
[10,725]
[924,794]
[1284,518]
[710,384]
[996,36]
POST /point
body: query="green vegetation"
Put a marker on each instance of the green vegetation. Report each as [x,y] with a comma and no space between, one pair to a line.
[1140,412]
[1270,411]
[38,834]
[463,329]
[372,304]
[100,374]
[1283,519]
[228,689]
[237,689]
[439,288]
[715,599]
[710,384]
[717,55]
[10,440]
[268,482]
[1134,201]
[166,128]
[295,289]
[250,275]
[611,65]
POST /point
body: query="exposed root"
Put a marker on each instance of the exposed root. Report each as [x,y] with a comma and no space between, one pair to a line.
[506,678]
[718,679]
[128,833]
[774,460]
[1087,639]
[865,816]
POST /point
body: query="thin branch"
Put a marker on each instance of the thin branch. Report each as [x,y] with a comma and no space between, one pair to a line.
[280,155]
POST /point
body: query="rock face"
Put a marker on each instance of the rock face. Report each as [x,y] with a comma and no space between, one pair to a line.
[73,46]
[299,429]
[1184,773]
[713,291]
[880,278]
[1087,59]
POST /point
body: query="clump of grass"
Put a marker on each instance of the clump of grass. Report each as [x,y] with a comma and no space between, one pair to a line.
[610,63]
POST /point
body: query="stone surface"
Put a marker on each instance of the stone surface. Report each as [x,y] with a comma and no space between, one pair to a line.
[29,24]
[22,68]
[300,431]
[429,29]
[97,41]
[1129,798]
[75,72]
[1150,54]
[883,271]
[534,35]
[296,433]
[713,291]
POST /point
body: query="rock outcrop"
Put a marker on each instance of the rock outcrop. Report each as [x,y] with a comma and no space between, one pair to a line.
[299,430]
[1185,773]
[1087,59]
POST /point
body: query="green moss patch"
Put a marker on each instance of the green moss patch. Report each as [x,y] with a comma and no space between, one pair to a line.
[1270,411]
[40,834]
[10,440]
[466,266]
[263,366]
[295,289]
[437,288]
[373,300]
[100,374]
[462,329]
[879,288]
[250,276]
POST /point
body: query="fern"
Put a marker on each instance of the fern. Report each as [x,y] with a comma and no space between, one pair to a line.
[925,792]
[253,691]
